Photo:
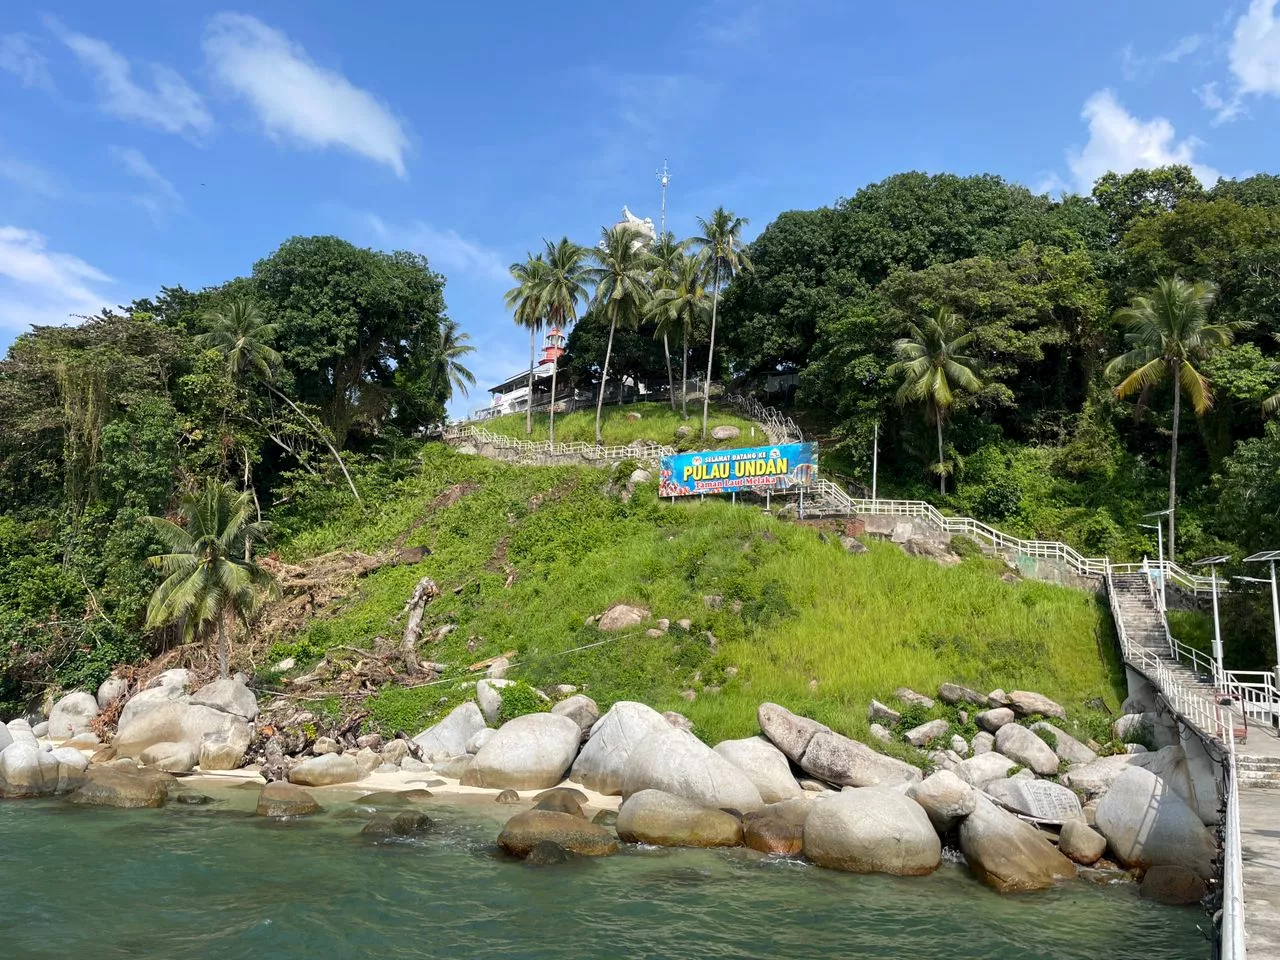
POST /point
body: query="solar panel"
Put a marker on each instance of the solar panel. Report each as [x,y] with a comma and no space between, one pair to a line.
[1212,561]
[1263,557]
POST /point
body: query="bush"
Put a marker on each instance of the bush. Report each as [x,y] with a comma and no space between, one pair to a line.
[520,699]
[966,548]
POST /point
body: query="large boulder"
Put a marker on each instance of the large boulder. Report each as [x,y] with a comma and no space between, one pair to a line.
[220,751]
[1147,824]
[526,830]
[848,763]
[230,696]
[1026,704]
[725,432]
[945,798]
[72,768]
[993,719]
[1009,854]
[147,700]
[1064,745]
[603,758]
[326,770]
[773,834]
[480,738]
[6,737]
[1081,843]
[978,771]
[764,764]
[665,820]
[27,771]
[788,732]
[72,715]
[170,757]
[679,763]
[449,737]
[581,709]
[111,786]
[174,721]
[872,831]
[178,679]
[1097,776]
[528,753]
[280,799]
[926,733]
[953,693]
[1026,748]
[1172,885]
[622,616]
[110,690]
[489,697]
[1039,799]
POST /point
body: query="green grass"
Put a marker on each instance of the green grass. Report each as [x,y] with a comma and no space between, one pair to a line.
[803,622]
[657,423]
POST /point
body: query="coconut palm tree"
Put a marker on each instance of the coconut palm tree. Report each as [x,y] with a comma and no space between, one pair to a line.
[723,256]
[1169,333]
[210,578]
[683,302]
[241,334]
[668,253]
[450,374]
[563,287]
[524,300]
[621,278]
[933,367]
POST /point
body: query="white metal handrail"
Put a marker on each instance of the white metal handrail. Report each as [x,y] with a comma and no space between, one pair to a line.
[778,427]
[640,450]
[1231,939]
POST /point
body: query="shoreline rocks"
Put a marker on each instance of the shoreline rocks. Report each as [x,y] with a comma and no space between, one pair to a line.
[872,830]
[666,820]
[532,752]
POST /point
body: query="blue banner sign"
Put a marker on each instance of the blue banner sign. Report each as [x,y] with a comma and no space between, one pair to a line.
[776,468]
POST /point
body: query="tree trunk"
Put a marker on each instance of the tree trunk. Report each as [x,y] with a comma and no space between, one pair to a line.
[671,377]
[711,351]
[1173,460]
[555,368]
[684,377]
[323,439]
[942,475]
[528,406]
[222,646]
[604,373]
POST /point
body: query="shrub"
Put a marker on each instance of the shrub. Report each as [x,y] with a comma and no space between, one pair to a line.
[965,547]
[520,699]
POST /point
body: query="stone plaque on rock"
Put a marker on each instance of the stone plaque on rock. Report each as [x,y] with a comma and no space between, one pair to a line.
[1039,799]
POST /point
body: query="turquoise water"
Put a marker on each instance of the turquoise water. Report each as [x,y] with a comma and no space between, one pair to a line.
[215,883]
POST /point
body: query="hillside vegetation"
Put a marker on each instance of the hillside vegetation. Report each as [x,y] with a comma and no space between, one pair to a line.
[525,556]
[622,425]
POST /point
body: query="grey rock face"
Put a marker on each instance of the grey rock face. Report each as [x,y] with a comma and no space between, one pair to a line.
[601,763]
[1147,824]
[528,753]
[449,737]
[1021,745]
[677,762]
[764,764]
[872,831]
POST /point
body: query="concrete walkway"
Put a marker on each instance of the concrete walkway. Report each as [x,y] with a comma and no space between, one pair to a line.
[1260,843]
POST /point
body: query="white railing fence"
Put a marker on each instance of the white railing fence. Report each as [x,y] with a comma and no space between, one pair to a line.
[778,427]
[649,452]
[1231,938]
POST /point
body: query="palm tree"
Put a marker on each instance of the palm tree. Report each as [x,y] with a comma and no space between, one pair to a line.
[721,248]
[450,373]
[241,333]
[524,300]
[209,576]
[563,287]
[668,253]
[683,302]
[933,368]
[621,278]
[1169,332]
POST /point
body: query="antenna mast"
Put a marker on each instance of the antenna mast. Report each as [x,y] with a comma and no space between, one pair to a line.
[664,177]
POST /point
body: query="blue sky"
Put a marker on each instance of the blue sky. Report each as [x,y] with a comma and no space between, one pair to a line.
[148,142]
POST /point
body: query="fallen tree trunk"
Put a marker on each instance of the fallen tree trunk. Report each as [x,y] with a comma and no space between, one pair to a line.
[423,593]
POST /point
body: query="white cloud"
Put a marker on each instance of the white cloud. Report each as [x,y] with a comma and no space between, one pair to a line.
[39,285]
[446,250]
[169,104]
[1139,67]
[19,56]
[1254,59]
[298,100]
[34,180]
[161,197]
[1120,142]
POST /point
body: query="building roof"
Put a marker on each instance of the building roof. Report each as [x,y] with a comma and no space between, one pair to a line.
[521,379]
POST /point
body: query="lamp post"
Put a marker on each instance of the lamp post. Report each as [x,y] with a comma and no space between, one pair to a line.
[1160,541]
[1270,557]
[1213,563]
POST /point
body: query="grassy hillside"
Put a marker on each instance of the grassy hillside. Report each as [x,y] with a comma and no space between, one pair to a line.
[802,621]
[618,426]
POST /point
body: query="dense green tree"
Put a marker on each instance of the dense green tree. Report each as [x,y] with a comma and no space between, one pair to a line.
[348,319]
[668,254]
[210,576]
[563,289]
[722,251]
[934,367]
[1169,335]
[621,278]
[525,301]
[1126,198]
